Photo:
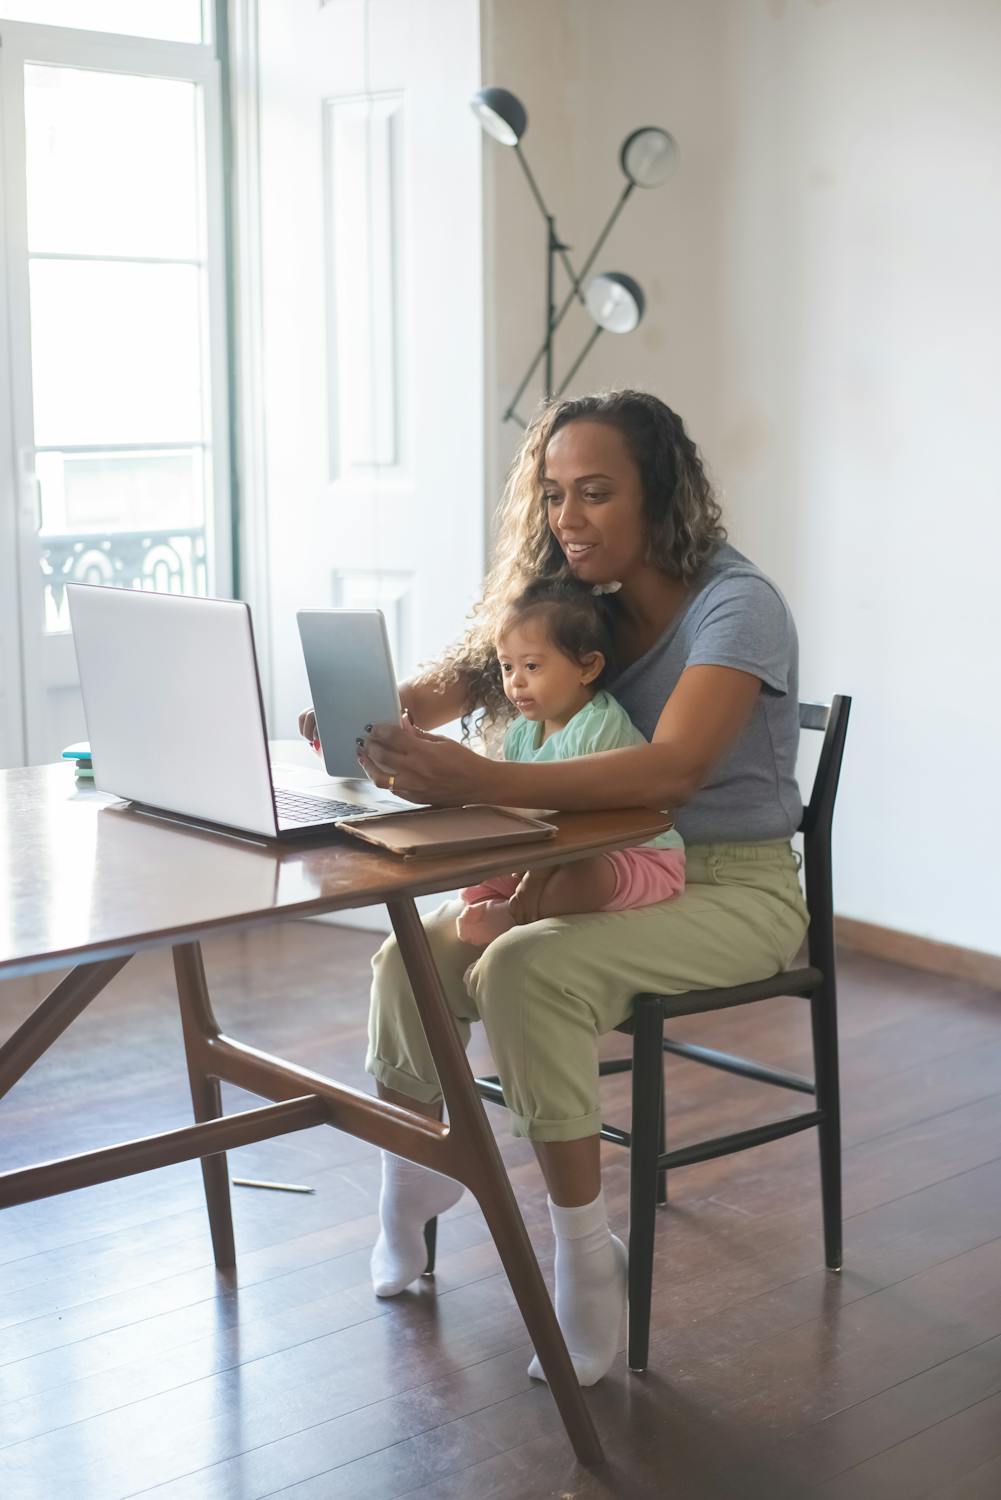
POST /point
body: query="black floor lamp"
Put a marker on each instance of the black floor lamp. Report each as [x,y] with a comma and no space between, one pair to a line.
[614,300]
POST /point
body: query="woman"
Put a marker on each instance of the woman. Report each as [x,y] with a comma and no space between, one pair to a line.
[611,490]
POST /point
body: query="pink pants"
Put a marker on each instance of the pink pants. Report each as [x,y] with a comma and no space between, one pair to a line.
[642,877]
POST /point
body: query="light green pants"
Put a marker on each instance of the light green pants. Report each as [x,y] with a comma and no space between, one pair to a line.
[547,991]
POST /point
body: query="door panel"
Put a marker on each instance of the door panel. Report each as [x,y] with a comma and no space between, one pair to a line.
[371,256]
[372,323]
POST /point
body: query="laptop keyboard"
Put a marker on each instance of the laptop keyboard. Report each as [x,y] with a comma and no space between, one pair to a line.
[294,807]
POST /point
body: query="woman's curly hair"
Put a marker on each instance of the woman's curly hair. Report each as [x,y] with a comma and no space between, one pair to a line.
[682,521]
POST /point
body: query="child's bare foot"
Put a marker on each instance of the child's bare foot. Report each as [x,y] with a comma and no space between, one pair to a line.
[484,921]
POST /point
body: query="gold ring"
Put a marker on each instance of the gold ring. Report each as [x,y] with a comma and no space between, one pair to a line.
[392,781]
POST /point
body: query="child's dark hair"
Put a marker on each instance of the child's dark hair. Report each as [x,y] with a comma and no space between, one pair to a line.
[577,621]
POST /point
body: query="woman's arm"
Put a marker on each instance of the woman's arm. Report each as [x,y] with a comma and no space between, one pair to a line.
[699,723]
[701,720]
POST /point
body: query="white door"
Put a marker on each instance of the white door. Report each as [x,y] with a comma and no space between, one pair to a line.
[113,458]
[370,208]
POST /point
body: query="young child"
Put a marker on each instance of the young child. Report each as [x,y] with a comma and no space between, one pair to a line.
[553,650]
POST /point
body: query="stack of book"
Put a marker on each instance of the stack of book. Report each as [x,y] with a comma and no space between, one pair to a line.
[83,765]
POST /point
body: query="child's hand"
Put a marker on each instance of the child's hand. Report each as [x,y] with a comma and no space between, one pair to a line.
[527,898]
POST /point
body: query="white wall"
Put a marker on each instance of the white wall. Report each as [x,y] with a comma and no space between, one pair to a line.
[825,311]
[586,85]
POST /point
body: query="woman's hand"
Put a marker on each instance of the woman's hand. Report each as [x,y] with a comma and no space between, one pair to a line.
[425,767]
[307,728]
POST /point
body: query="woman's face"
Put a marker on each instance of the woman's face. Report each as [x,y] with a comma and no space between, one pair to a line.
[595,501]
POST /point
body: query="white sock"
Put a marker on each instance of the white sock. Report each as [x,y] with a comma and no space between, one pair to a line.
[410,1195]
[590,1288]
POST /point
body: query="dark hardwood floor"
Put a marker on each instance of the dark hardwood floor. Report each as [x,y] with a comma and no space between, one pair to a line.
[129,1366]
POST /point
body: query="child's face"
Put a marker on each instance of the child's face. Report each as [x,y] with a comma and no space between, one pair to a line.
[539,680]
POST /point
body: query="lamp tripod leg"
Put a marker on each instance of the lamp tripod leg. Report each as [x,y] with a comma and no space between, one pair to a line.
[551,249]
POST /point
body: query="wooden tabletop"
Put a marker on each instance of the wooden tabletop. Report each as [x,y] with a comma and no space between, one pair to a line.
[83,877]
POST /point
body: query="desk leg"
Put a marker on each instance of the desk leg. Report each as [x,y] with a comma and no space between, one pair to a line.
[49,1020]
[479,1167]
[199,1025]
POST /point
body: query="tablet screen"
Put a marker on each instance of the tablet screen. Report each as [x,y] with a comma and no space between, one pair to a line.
[351,679]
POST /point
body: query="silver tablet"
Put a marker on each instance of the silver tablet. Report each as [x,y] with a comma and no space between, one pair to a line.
[351,679]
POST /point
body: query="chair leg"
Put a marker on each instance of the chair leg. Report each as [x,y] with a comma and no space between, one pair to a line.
[662,1142]
[430,1245]
[824,1015]
[648,1075]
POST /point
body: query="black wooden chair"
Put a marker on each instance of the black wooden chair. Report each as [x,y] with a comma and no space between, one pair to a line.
[649,1161]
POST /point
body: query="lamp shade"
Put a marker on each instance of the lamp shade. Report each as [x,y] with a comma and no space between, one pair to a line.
[649,156]
[615,302]
[501,115]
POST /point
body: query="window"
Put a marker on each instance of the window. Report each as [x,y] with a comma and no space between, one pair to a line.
[114,439]
[117,271]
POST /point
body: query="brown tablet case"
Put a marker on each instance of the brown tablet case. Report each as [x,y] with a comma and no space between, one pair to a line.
[446,830]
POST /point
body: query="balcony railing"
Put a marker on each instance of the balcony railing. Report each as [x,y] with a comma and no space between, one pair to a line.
[169,562]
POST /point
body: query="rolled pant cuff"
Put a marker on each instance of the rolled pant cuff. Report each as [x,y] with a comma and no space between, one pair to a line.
[402,1083]
[556,1130]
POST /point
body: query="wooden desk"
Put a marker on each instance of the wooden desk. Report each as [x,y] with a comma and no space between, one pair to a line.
[85,883]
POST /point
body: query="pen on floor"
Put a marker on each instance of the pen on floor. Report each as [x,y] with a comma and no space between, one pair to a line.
[278,1187]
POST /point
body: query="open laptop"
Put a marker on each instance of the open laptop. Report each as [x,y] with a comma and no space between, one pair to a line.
[175,719]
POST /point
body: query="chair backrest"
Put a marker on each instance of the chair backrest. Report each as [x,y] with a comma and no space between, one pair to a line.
[818,816]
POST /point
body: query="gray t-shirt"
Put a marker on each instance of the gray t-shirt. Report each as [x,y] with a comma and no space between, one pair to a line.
[736,617]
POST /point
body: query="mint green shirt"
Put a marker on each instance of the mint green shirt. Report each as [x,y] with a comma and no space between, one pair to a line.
[602,724]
